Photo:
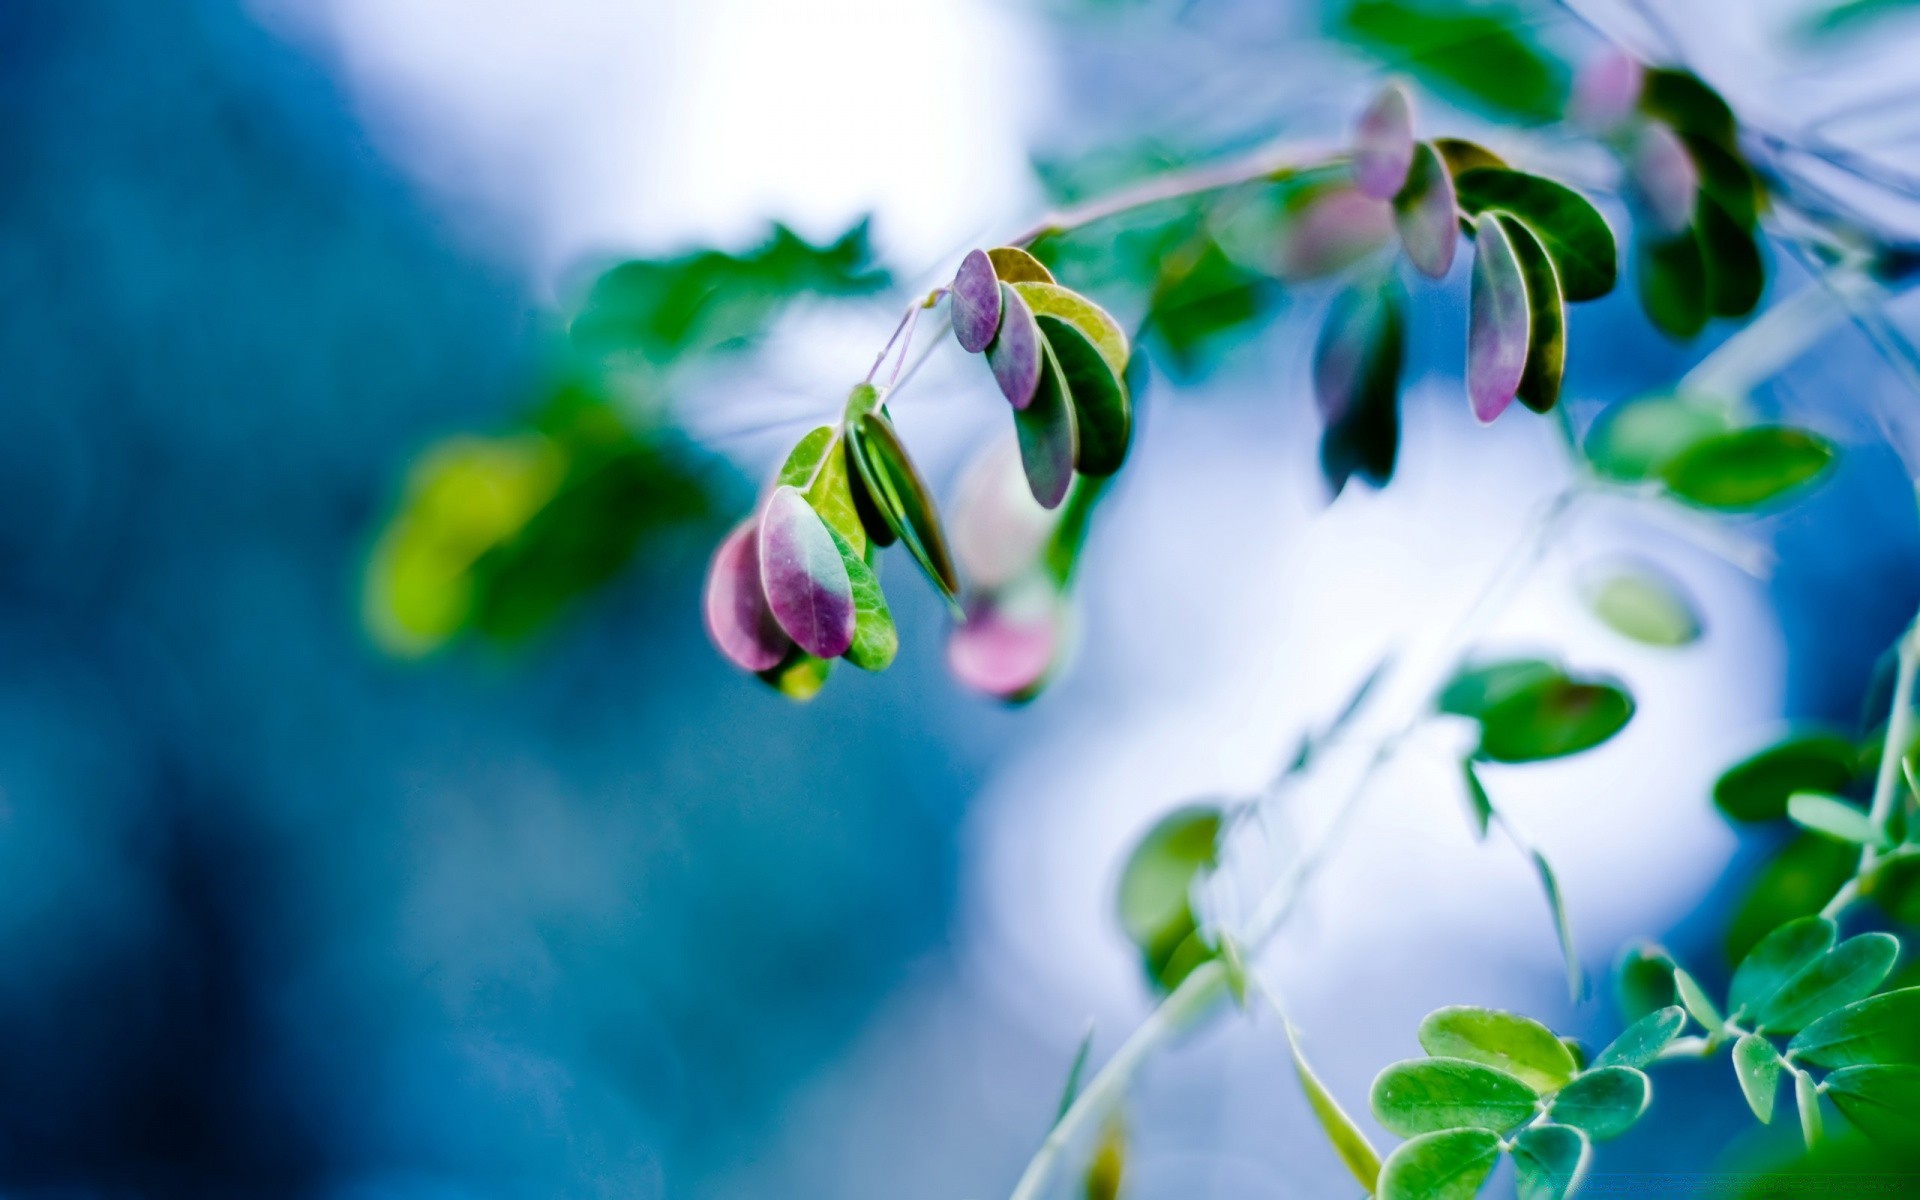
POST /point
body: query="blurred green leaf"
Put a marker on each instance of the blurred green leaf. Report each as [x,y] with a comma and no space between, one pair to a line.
[1424,1095]
[1672,280]
[1833,817]
[1642,604]
[1520,1046]
[1747,468]
[1478,802]
[1357,361]
[1552,718]
[1480,54]
[1684,101]
[1643,981]
[1348,1141]
[1477,687]
[1108,1166]
[1156,887]
[1549,1161]
[800,677]
[1699,1005]
[1635,439]
[1757,788]
[1562,926]
[1797,883]
[1882,1101]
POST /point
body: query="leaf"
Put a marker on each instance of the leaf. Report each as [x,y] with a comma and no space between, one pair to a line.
[1562,927]
[875,640]
[1102,415]
[1447,1165]
[803,461]
[1539,386]
[1603,1103]
[1634,440]
[1882,1101]
[1748,467]
[902,497]
[1641,1042]
[974,302]
[1477,799]
[1758,1069]
[805,579]
[1682,100]
[1665,176]
[1833,817]
[1009,641]
[1461,155]
[1606,90]
[1383,144]
[1776,958]
[1328,229]
[1156,885]
[1806,1097]
[1098,326]
[1424,211]
[1757,788]
[1549,1161]
[1071,1091]
[1014,265]
[1553,718]
[1638,602]
[1698,1004]
[1643,980]
[1357,361]
[1726,178]
[1672,280]
[800,675]
[1736,276]
[998,532]
[1799,881]
[1848,972]
[1478,687]
[1881,1029]
[832,497]
[1571,229]
[1016,354]
[1520,1046]
[1348,1141]
[1499,324]
[1481,55]
[1426,1094]
[1049,437]
[738,619]
[1108,1165]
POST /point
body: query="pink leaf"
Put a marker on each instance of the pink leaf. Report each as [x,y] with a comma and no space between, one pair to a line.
[806,582]
[738,618]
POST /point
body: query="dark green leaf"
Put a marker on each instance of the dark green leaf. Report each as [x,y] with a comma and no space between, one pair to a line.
[1848,972]
[1348,1141]
[1672,279]
[1884,1102]
[1571,229]
[1635,439]
[1476,688]
[1748,467]
[1553,718]
[1448,1165]
[1102,416]
[1776,958]
[1643,980]
[1758,1068]
[1684,101]
[1881,1029]
[1549,1161]
[1071,1091]
[1643,1040]
[1603,1103]
[1539,386]
[1426,1094]
[1735,275]
[1049,436]
[1356,384]
[1757,788]
[1479,54]
[1094,322]
[1520,1046]
[1727,180]
[1797,883]
[1461,155]
[904,501]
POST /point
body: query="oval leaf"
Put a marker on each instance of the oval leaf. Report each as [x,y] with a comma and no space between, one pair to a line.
[1014,265]
[974,301]
[1356,385]
[1642,1041]
[1102,414]
[1447,1165]
[738,619]
[1425,213]
[806,581]
[1426,1094]
[1833,817]
[905,503]
[1574,233]
[1549,1161]
[1848,972]
[1776,958]
[1758,1068]
[1049,438]
[1383,144]
[1098,326]
[1878,1030]
[1636,439]
[1008,643]
[803,461]
[1884,1102]
[1553,718]
[831,495]
[1643,980]
[1604,1102]
[1499,323]
[1665,176]
[1736,276]
[1015,353]
[1748,467]
[1757,788]
[1348,1141]
[1698,1004]
[1476,688]
[1641,603]
[1672,279]
[1520,1046]
[1539,386]
[799,676]
[875,640]
[1156,885]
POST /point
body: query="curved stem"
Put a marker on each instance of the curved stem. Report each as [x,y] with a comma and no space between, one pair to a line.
[1886,782]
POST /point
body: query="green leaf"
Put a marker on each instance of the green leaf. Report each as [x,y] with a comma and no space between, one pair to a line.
[1698,1004]
[1356,384]
[1881,1030]
[1103,417]
[1071,1092]
[1539,386]
[1749,467]
[1475,689]
[1641,1042]
[1477,798]
[1553,718]
[1736,276]
[1450,1164]
[1461,156]
[1093,322]
[1643,604]
[875,640]
[904,501]
[1806,1097]
[1684,101]
[1562,928]
[1549,1161]
[1643,980]
[1726,180]
[1107,1168]
[832,497]
[1348,1141]
[1155,895]
[1757,788]
[1482,55]
[1776,958]
[1011,264]
[1635,439]
[1848,972]
[1758,1068]
[1833,817]
[1048,434]
[1520,1046]
[1672,278]
[800,676]
[1604,1102]
[803,461]
[1426,1094]
[1569,227]
[1798,882]
[1883,1102]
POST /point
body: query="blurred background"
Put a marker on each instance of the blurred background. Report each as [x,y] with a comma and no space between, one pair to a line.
[322,876]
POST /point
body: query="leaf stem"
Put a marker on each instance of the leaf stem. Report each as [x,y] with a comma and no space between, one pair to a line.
[1886,782]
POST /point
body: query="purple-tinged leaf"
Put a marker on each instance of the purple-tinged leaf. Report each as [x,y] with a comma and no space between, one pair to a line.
[1014,265]
[1049,437]
[1383,144]
[1664,174]
[738,618]
[975,302]
[1547,334]
[1605,91]
[1331,230]
[998,528]
[1008,643]
[1499,323]
[1095,324]
[1424,212]
[1014,354]
[806,582]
